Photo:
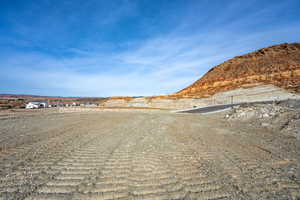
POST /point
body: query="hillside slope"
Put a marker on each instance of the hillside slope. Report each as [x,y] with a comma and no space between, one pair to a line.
[277,65]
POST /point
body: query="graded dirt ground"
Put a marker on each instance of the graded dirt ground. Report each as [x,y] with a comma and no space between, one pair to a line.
[140,155]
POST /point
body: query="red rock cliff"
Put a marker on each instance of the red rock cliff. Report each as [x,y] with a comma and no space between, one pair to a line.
[278,65]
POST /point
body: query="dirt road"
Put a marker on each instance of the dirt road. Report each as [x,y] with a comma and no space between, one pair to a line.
[132,155]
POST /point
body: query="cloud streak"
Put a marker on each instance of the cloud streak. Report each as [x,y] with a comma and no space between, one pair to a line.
[162,63]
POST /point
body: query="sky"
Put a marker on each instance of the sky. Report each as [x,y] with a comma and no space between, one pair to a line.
[100,48]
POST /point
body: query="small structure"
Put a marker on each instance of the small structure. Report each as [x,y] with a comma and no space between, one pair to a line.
[36,104]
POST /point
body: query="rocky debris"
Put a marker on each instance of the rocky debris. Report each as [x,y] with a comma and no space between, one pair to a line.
[277,65]
[283,116]
[291,103]
[256,111]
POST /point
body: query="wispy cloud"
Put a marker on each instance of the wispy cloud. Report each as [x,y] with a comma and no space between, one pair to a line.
[159,64]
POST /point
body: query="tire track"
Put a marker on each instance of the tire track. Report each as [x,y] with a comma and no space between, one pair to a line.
[148,156]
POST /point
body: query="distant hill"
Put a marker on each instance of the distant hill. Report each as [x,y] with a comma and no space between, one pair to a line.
[19,100]
[25,96]
[37,97]
[278,65]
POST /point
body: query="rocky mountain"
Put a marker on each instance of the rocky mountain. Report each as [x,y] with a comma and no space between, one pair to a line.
[277,65]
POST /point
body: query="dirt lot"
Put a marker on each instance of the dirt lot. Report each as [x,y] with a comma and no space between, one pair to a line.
[144,155]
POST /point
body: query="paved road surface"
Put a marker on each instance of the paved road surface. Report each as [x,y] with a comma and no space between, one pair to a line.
[216,108]
[125,155]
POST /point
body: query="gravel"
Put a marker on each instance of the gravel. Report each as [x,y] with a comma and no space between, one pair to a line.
[283,116]
[143,155]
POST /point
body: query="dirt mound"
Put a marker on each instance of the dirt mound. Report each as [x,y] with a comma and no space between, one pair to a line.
[281,116]
[277,65]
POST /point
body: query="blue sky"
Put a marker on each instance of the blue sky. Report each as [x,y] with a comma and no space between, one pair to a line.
[131,47]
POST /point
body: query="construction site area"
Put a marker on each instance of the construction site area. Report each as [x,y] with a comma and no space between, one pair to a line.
[151,154]
[149,100]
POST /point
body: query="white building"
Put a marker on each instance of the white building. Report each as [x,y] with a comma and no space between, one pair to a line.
[36,104]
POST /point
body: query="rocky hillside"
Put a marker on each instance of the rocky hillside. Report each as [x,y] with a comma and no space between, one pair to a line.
[278,65]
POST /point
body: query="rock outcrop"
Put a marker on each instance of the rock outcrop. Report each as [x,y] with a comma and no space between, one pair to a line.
[277,65]
[268,74]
